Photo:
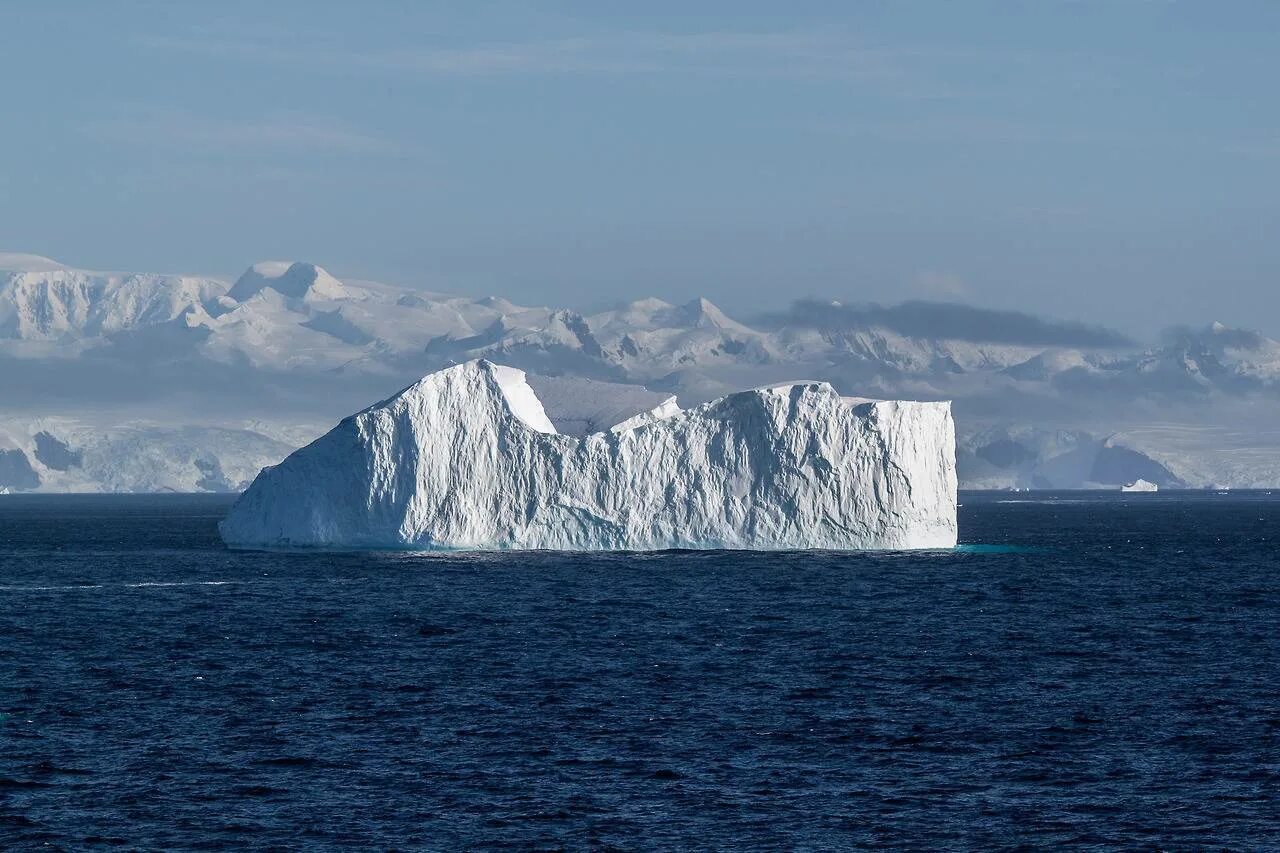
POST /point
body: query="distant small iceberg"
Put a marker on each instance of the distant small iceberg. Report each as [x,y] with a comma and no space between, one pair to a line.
[1140,485]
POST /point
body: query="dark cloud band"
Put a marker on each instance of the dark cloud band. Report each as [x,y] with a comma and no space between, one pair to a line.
[952,321]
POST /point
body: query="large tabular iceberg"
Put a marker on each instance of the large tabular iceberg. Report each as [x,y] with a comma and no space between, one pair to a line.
[467,458]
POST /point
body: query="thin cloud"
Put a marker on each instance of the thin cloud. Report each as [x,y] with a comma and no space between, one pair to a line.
[766,54]
[283,132]
[833,54]
[794,55]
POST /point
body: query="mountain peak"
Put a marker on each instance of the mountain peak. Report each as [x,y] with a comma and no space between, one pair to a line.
[704,314]
[294,279]
[649,303]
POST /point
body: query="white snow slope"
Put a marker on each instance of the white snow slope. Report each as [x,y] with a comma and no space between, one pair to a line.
[467,458]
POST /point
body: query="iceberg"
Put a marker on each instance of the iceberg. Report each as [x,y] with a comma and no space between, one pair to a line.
[468,458]
[1140,485]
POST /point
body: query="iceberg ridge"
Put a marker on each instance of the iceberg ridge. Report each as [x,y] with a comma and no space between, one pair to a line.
[467,458]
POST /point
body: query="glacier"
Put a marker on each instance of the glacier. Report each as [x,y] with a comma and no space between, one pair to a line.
[111,454]
[468,458]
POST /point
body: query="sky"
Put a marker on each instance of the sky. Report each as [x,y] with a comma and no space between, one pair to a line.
[1114,162]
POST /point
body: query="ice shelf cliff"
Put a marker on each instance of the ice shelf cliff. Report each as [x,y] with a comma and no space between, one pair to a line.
[468,458]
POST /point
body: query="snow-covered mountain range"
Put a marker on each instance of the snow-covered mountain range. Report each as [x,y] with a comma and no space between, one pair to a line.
[151,381]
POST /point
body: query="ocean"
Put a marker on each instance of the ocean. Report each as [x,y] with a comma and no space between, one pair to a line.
[1087,670]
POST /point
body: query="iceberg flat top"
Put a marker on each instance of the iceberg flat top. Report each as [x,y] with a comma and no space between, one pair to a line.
[467,458]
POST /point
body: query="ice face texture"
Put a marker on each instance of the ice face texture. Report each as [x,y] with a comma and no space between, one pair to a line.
[467,458]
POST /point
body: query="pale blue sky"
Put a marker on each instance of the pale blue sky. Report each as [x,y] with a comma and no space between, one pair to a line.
[1113,162]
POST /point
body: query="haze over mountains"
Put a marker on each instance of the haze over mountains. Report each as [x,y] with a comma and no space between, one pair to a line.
[137,381]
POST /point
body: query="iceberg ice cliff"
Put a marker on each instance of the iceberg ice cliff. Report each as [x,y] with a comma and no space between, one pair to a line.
[468,458]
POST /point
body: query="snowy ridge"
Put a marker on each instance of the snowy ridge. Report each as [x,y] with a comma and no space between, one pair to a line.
[289,342]
[63,455]
[296,280]
[284,315]
[463,460]
[68,305]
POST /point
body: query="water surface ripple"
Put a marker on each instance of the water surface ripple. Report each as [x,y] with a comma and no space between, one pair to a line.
[1103,671]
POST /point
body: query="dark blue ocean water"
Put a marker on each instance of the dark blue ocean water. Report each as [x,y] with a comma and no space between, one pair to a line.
[1112,681]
